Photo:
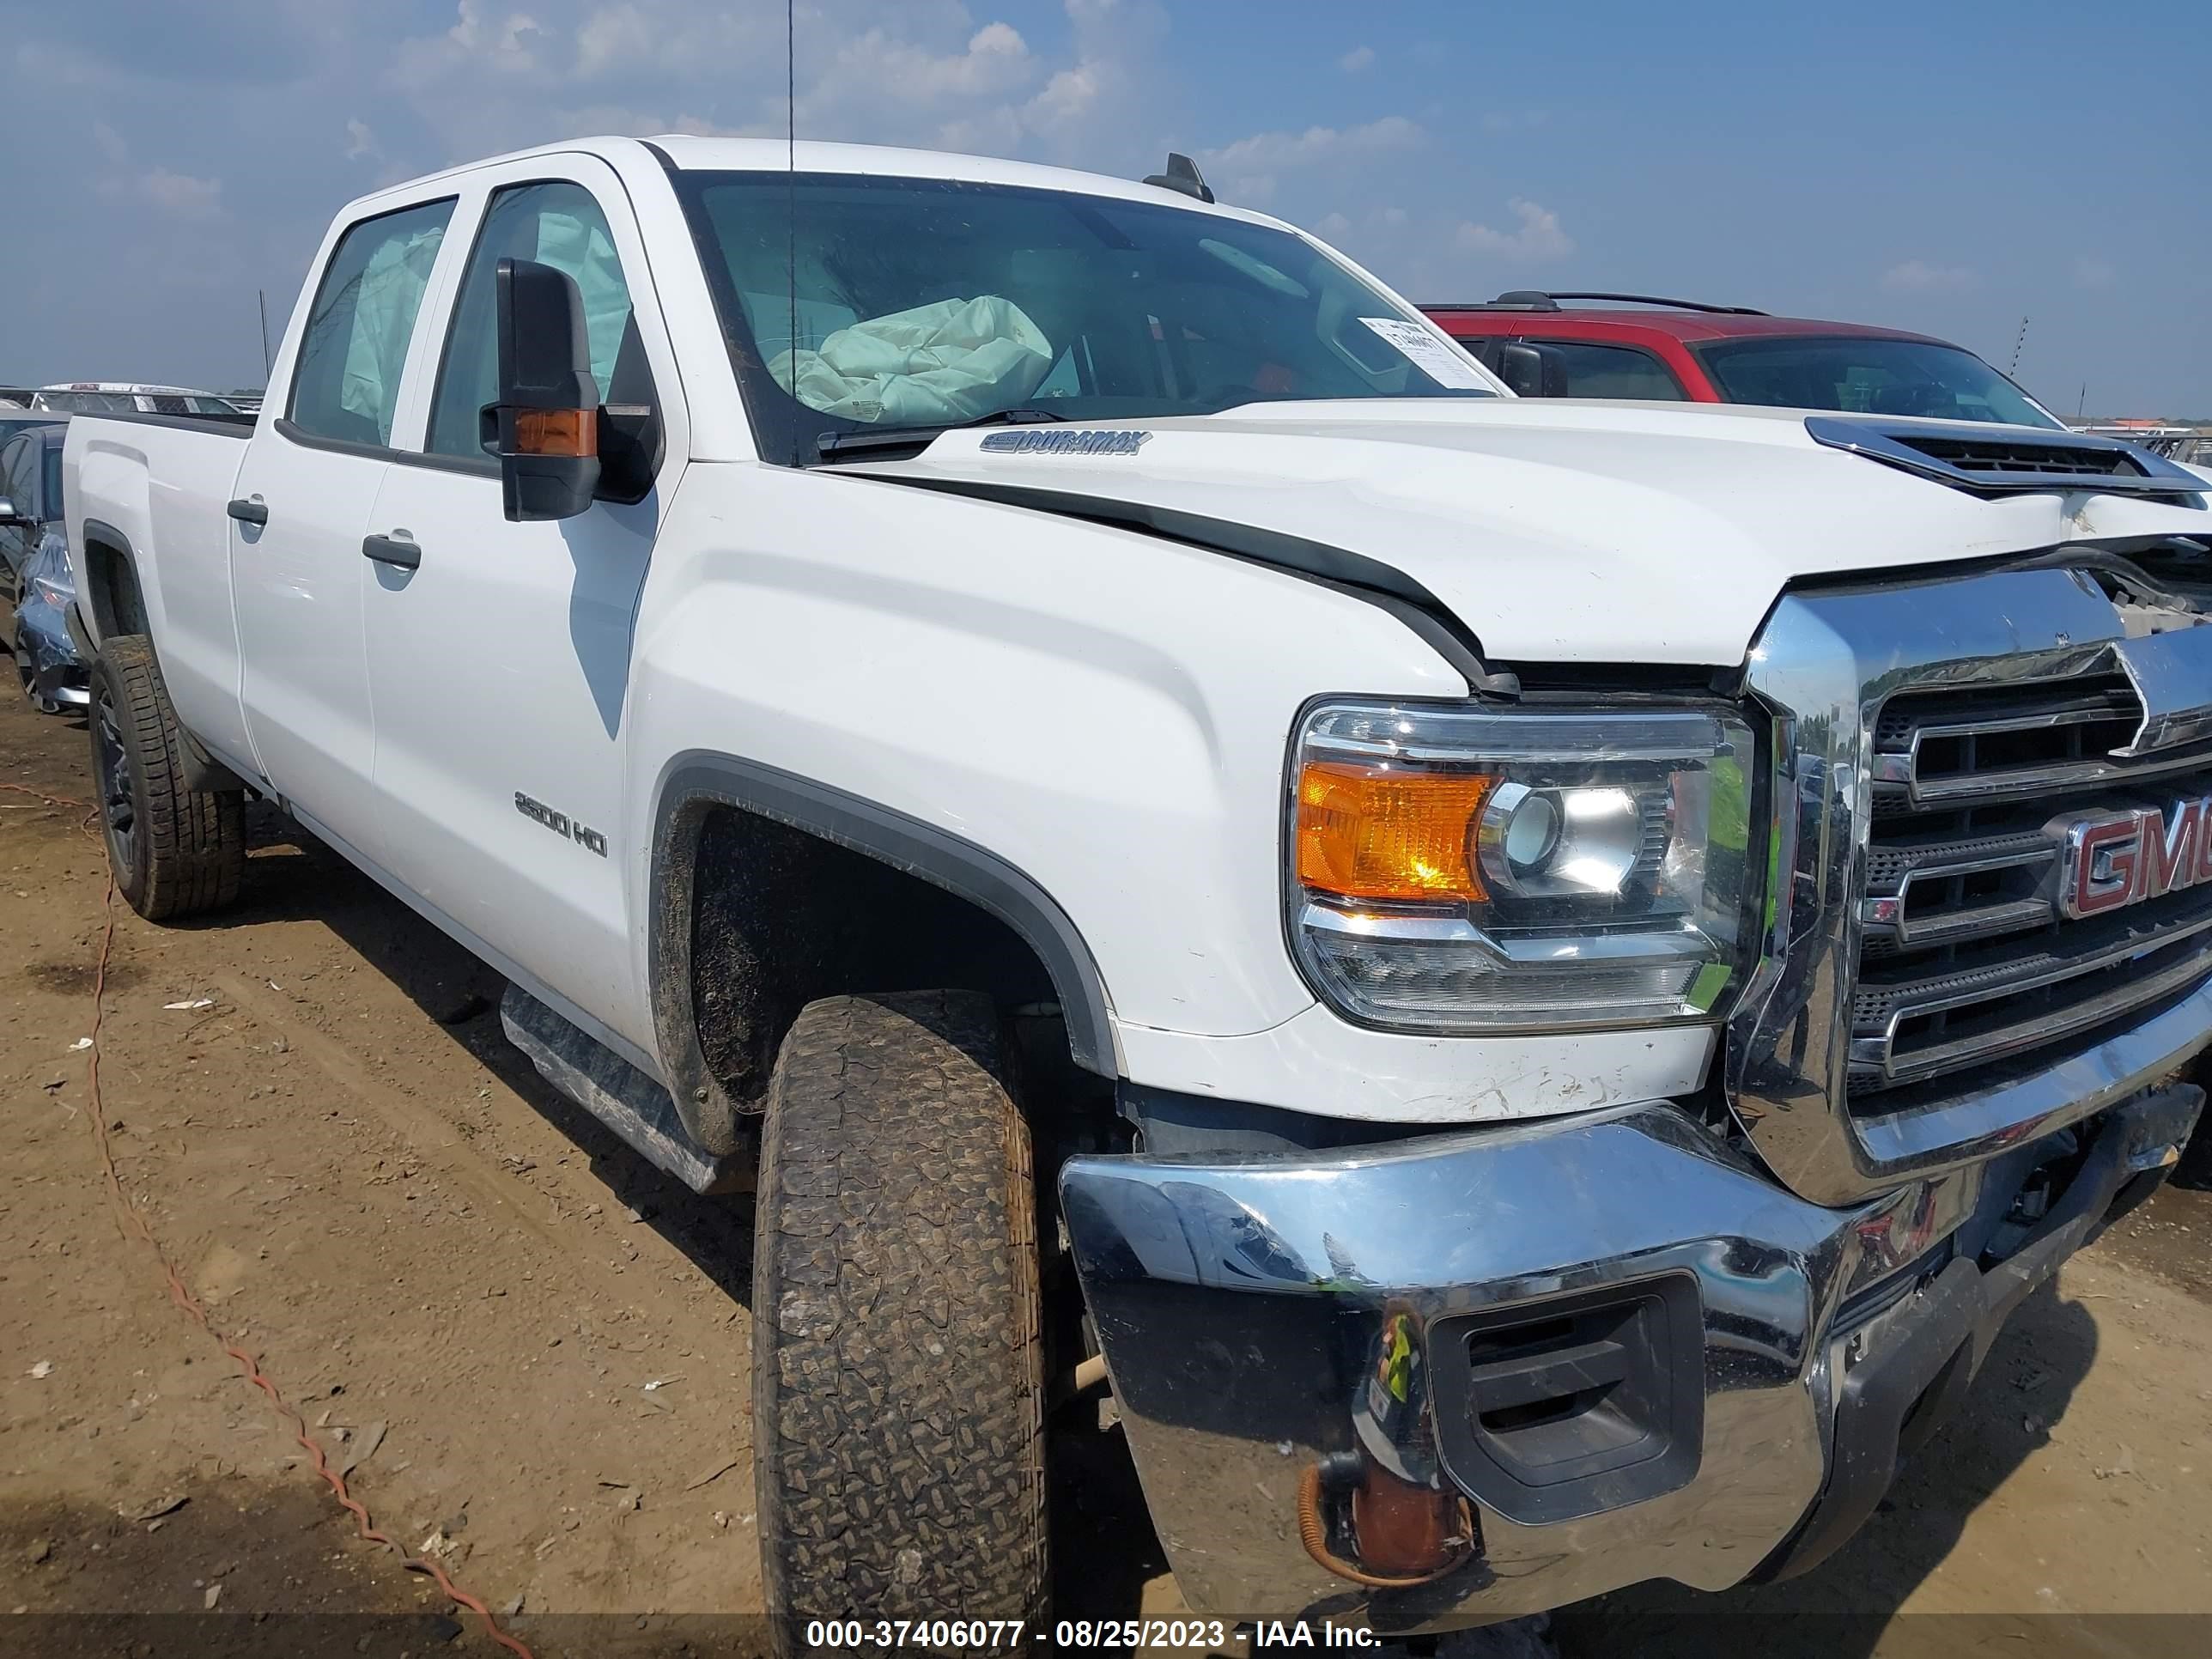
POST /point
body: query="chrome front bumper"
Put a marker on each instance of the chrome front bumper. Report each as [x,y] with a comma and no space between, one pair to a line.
[1267,1317]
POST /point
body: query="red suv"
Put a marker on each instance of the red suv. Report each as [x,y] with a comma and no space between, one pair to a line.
[1633,345]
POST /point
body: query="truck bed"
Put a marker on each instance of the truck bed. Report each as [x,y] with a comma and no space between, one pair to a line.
[149,492]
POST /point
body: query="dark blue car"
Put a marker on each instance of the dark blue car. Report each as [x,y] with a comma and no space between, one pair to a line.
[36,586]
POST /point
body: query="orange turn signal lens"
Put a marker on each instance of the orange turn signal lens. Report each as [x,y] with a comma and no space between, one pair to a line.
[569,432]
[1375,833]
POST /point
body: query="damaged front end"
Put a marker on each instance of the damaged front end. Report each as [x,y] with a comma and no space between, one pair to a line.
[53,673]
[1469,1376]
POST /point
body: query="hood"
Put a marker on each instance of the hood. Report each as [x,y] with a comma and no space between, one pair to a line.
[1557,531]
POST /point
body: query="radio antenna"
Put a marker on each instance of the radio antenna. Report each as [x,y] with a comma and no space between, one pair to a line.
[791,178]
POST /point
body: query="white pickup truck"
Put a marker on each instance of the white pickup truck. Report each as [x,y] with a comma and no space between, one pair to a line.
[1528,983]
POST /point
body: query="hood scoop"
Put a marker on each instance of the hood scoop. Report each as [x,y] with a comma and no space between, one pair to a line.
[2005,460]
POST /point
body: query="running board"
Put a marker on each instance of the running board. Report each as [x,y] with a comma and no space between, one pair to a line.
[617,1093]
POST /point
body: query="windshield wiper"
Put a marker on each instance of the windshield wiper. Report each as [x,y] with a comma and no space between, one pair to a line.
[869,440]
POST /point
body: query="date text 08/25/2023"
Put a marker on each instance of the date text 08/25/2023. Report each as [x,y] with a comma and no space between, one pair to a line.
[1199,1635]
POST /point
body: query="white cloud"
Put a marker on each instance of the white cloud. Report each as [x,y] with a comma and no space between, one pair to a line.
[508,42]
[1920,277]
[1279,150]
[176,195]
[994,62]
[610,39]
[1356,61]
[698,128]
[1250,165]
[502,74]
[1094,109]
[361,140]
[2093,273]
[1536,236]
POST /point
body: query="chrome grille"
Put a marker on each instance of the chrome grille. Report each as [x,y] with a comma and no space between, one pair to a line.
[1966,958]
[2012,743]
[1922,1000]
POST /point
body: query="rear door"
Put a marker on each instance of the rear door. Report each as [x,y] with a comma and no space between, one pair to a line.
[304,496]
[500,658]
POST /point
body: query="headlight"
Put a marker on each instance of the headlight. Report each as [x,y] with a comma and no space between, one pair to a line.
[1462,869]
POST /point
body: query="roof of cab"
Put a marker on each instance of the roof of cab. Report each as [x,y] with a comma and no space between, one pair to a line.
[690,154]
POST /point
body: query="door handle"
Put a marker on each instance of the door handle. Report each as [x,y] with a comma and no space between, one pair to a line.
[389,549]
[248,512]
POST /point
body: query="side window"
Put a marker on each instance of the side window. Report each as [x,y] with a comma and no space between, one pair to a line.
[556,223]
[346,385]
[1483,348]
[1610,371]
[14,477]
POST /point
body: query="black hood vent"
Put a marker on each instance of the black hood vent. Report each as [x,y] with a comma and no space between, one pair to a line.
[2006,460]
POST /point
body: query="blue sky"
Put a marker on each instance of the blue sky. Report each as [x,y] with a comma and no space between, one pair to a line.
[1949,166]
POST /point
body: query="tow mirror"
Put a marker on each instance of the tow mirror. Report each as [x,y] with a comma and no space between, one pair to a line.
[545,425]
[1533,371]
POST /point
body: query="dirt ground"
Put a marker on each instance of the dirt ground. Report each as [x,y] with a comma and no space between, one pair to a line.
[534,1348]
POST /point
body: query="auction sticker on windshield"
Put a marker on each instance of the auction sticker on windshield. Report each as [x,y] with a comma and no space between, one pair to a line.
[1429,355]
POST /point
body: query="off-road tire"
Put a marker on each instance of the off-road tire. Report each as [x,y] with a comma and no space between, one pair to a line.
[898,1381]
[175,851]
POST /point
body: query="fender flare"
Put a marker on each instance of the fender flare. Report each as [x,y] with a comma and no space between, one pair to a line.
[96,599]
[697,781]
[202,769]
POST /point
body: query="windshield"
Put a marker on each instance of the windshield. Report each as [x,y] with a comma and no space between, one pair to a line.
[1868,376]
[921,302]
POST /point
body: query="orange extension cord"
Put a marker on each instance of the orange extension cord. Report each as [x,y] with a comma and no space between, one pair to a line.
[134,1226]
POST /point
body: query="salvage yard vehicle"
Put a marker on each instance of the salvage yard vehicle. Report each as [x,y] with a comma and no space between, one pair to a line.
[1637,345]
[1536,979]
[127,397]
[19,417]
[37,587]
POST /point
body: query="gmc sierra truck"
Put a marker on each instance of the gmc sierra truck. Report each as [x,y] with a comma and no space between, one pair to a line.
[1527,983]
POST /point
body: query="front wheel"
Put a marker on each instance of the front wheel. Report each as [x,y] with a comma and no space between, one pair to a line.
[898,1380]
[175,851]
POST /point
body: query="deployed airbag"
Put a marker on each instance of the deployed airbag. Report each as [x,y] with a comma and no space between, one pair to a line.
[952,360]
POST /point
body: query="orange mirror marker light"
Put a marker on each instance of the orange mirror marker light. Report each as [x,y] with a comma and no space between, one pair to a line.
[572,432]
[1374,832]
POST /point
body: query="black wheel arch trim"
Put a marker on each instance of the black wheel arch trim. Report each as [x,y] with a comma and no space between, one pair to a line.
[202,770]
[697,781]
[95,597]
